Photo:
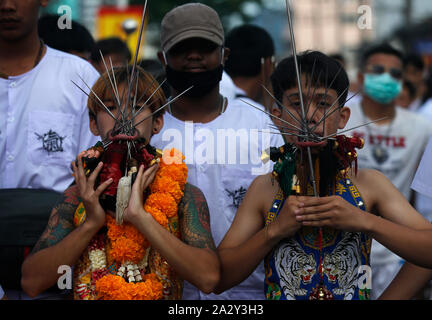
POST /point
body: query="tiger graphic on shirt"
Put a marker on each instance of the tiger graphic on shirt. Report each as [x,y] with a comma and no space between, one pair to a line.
[294,267]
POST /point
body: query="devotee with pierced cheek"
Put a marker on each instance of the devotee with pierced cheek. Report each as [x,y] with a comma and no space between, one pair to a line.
[312,247]
[134,236]
[221,139]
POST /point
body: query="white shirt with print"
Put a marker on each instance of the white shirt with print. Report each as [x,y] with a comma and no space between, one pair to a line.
[223,158]
[44,122]
[404,140]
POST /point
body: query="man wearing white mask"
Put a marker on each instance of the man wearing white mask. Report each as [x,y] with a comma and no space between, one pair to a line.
[393,145]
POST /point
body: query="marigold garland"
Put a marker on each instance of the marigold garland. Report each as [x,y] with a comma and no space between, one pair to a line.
[127,245]
[113,287]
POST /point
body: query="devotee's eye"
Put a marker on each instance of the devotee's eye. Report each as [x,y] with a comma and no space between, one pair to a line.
[296,104]
[324,104]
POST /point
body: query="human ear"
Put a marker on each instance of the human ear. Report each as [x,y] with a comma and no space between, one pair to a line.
[93,126]
[277,111]
[345,113]
[157,123]
[225,54]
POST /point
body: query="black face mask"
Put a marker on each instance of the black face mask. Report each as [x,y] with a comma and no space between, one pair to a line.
[202,82]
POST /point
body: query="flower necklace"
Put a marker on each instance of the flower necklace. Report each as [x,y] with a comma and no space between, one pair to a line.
[119,263]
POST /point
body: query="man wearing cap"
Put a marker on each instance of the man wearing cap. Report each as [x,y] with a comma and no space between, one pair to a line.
[222,141]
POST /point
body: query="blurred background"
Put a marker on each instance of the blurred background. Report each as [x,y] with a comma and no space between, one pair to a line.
[332,26]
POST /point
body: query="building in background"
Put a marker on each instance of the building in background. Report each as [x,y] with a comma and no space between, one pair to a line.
[326,25]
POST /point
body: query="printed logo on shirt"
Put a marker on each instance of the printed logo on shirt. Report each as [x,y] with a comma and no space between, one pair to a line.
[390,141]
[236,196]
[51,141]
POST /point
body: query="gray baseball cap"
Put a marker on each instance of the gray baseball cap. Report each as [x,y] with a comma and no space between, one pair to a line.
[192,20]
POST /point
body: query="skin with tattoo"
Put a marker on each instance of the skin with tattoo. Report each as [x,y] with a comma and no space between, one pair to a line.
[389,218]
[60,223]
[194,219]
[193,257]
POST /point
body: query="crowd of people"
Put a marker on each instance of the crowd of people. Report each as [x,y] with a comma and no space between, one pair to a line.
[239,225]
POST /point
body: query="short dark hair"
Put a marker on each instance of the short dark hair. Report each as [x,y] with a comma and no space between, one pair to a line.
[78,38]
[338,57]
[155,68]
[248,44]
[414,60]
[112,45]
[380,48]
[327,72]
[411,88]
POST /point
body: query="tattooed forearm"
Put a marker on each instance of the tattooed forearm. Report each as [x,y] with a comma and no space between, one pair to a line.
[195,219]
[60,223]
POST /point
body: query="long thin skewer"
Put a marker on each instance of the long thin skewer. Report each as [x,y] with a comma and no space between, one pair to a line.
[329,114]
[309,98]
[112,88]
[294,52]
[136,55]
[281,104]
[177,97]
[115,82]
[353,128]
[271,115]
[94,93]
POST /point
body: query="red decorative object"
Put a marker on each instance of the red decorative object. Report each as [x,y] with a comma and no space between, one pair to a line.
[346,151]
[320,292]
[97,242]
[114,166]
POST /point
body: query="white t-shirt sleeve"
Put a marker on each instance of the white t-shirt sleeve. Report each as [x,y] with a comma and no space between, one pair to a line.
[1,292]
[422,182]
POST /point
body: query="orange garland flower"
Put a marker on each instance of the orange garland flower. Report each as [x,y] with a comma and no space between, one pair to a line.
[165,184]
[164,202]
[112,287]
[128,244]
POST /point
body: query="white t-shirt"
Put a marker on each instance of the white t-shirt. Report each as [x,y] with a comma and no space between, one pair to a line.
[407,137]
[227,87]
[424,173]
[240,95]
[223,167]
[44,122]
[423,179]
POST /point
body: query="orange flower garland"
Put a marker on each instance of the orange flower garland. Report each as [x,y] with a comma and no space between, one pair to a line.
[127,245]
[113,287]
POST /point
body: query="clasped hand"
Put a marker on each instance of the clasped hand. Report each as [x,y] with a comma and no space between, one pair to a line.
[332,211]
[95,214]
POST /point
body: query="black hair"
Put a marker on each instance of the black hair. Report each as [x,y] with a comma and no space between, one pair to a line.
[411,88]
[248,45]
[112,45]
[338,57]
[155,68]
[327,72]
[78,38]
[414,60]
[384,48]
